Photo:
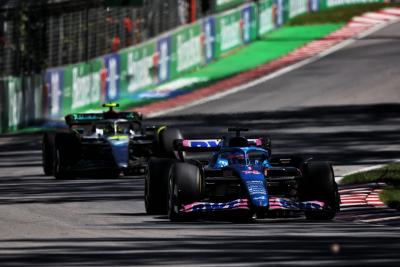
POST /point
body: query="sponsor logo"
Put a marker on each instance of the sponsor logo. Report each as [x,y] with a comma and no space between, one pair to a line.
[246,16]
[230,33]
[202,143]
[139,69]
[188,51]
[55,93]
[164,51]
[266,20]
[85,88]
[112,81]
[314,5]
[209,32]
[256,187]
[15,106]
[279,19]
[297,7]
[251,172]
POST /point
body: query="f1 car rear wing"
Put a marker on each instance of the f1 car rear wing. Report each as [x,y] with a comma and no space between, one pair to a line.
[213,145]
[197,145]
[88,118]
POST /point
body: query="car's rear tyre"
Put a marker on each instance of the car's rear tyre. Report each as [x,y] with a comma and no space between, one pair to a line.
[48,151]
[59,166]
[65,155]
[319,184]
[166,139]
[156,185]
[185,185]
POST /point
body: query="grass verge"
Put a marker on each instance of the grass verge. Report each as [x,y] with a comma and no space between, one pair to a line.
[389,174]
[391,197]
[341,14]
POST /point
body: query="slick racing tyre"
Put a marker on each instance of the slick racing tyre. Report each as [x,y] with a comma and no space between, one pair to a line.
[320,185]
[166,139]
[156,185]
[185,185]
[66,153]
[48,151]
[59,166]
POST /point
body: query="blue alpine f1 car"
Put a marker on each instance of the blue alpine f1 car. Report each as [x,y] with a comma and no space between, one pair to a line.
[241,177]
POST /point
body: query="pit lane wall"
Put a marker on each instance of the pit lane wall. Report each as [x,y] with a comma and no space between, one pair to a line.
[149,71]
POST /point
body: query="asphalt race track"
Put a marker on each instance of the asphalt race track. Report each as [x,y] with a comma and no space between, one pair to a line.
[344,108]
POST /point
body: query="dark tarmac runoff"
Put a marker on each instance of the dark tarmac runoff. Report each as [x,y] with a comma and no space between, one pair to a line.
[344,108]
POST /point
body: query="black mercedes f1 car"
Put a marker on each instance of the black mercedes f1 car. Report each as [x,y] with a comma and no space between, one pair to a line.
[105,144]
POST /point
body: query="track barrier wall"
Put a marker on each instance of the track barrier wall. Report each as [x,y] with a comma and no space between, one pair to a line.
[135,75]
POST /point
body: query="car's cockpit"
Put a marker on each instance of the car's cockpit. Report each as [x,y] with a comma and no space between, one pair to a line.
[108,128]
[251,156]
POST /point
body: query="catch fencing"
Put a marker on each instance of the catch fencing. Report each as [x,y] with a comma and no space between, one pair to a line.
[141,73]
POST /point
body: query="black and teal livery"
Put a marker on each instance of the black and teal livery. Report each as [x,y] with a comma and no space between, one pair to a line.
[105,144]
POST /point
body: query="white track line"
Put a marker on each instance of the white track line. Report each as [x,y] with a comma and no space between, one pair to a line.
[381,16]
[395,11]
[380,219]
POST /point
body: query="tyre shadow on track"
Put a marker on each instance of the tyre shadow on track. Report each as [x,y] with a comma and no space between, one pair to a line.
[346,135]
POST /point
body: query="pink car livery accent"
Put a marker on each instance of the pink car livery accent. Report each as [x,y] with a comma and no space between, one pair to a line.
[238,204]
[287,204]
[244,204]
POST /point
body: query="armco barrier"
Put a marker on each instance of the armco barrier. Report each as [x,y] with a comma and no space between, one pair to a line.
[137,72]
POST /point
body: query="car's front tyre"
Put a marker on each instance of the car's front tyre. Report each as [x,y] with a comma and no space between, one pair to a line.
[319,184]
[156,186]
[185,185]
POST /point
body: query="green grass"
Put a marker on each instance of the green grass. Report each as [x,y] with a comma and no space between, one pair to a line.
[338,14]
[391,197]
[270,47]
[389,174]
